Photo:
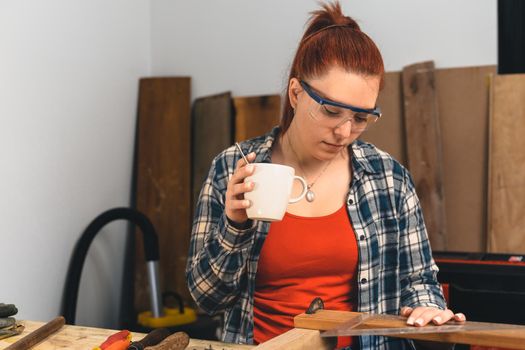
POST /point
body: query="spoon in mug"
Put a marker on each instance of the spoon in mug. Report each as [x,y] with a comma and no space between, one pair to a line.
[242,153]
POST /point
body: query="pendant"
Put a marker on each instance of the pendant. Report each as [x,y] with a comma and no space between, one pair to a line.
[310,196]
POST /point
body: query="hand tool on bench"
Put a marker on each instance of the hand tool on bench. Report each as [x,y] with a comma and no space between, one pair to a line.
[38,335]
[153,338]
[176,341]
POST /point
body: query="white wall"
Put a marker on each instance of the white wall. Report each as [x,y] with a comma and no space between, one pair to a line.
[68,89]
[247,46]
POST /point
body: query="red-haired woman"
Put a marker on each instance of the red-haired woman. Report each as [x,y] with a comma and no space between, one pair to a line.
[357,239]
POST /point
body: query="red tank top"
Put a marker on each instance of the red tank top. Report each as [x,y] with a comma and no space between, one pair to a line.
[303,258]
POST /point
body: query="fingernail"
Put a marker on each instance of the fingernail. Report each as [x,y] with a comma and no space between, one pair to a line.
[246,203]
[460,316]
[410,321]
[437,319]
[419,322]
[248,185]
[252,154]
[249,168]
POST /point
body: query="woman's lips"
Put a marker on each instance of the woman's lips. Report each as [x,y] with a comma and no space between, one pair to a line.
[333,146]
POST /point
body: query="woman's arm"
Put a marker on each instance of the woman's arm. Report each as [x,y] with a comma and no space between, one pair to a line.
[216,265]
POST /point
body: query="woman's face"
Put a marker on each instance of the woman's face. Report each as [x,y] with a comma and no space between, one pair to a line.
[324,132]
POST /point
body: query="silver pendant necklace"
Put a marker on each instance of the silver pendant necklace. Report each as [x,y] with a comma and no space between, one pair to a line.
[310,195]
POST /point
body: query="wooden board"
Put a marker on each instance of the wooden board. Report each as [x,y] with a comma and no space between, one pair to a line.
[388,133]
[212,132]
[85,338]
[463,98]
[256,115]
[328,319]
[163,180]
[507,165]
[424,153]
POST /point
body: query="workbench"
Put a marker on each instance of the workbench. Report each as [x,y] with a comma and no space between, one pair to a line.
[86,338]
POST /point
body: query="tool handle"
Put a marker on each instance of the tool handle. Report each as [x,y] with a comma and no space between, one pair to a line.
[152,338]
[176,341]
[38,335]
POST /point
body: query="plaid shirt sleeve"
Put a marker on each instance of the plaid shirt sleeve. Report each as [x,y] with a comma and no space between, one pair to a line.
[216,266]
[418,271]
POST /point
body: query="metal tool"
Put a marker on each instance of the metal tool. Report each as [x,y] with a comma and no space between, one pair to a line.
[242,153]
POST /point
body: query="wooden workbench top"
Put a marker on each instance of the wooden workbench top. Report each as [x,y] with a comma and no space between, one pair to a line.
[86,338]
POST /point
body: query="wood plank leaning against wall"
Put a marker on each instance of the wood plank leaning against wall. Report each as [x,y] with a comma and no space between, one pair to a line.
[462,95]
[507,165]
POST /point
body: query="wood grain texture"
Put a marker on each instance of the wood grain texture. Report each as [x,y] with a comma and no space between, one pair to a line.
[463,98]
[256,115]
[299,339]
[86,338]
[163,180]
[388,133]
[424,153]
[506,208]
[512,338]
[212,132]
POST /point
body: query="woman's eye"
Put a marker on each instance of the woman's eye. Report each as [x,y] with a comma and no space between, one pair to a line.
[361,118]
[331,111]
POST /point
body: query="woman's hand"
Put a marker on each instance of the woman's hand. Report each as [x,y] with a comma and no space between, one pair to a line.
[235,206]
[421,316]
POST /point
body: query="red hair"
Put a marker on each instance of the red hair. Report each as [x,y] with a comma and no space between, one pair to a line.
[332,39]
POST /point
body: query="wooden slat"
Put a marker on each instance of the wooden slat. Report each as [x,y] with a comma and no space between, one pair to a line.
[507,165]
[463,97]
[212,132]
[256,115]
[163,180]
[424,147]
[512,338]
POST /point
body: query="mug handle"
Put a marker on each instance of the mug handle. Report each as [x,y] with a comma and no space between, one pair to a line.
[305,189]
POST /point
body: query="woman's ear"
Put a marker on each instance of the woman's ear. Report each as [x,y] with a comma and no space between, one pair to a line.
[294,88]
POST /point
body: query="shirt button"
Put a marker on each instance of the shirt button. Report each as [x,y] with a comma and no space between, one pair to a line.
[350,201]
[362,237]
[363,280]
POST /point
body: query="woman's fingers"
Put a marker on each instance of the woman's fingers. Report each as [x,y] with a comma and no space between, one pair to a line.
[421,316]
[236,204]
[241,162]
[406,311]
[459,317]
[442,317]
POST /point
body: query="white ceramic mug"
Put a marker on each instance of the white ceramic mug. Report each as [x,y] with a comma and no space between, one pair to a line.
[271,193]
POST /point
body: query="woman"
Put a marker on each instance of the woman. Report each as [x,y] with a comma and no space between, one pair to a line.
[358,238]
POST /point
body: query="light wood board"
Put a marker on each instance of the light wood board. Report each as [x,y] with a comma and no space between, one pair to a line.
[424,154]
[255,115]
[507,165]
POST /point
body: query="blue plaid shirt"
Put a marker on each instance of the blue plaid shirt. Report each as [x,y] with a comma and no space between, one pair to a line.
[395,266]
